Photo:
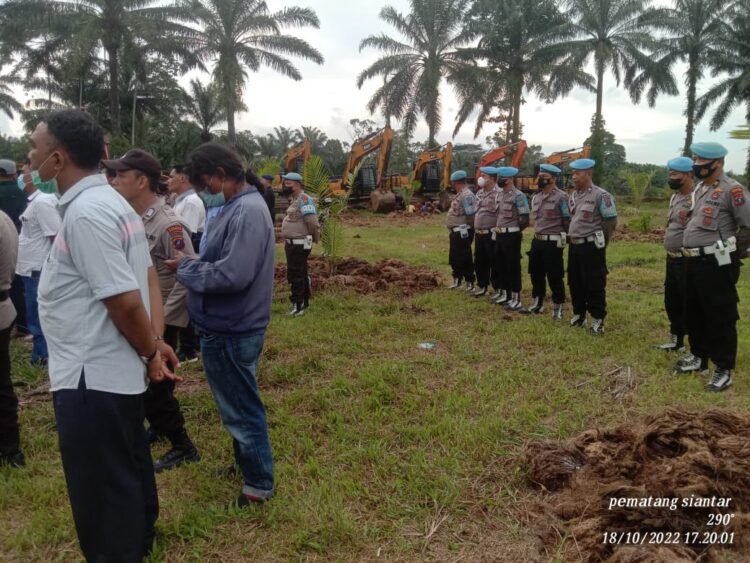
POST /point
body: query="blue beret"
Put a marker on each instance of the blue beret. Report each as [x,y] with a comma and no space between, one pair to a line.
[708,150]
[551,168]
[267,177]
[583,164]
[292,176]
[681,164]
[489,170]
[458,175]
[507,171]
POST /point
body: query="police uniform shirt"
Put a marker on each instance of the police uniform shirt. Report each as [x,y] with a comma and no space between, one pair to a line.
[589,209]
[677,219]
[717,211]
[462,210]
[301,219]
[512,204]
[551,210]
[167,235]
[487,208]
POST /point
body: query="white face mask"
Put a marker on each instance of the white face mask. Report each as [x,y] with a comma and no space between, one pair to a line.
[482,181]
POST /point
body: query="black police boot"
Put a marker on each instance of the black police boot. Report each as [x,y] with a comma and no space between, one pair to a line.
[721,380]
[675,343]
[456,283]
[690,363]
[557,312]
[305,303]
[153,436]
[515,302]
[503,298]
[13,459]
[578,320]
[597,326]
[469,286]
[537,306]
[479,292]
[183,451]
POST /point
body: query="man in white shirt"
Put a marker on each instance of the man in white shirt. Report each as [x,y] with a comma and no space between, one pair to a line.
[39,225]
[187,204]
[101,311]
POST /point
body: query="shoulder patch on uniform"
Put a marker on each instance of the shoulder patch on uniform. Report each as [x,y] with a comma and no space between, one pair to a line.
[306,205]
[176,235]
[738,196]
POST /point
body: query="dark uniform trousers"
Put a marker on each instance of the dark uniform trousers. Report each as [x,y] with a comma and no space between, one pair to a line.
[587,279]
[711,309]
[17,296]
[109,472]
[546,265]
[509,261]
[674,295]
[9,434]
[296,271]
[161,406]
[484,256]
[459,256]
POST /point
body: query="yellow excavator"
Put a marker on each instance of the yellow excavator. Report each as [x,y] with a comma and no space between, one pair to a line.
[372,182]
[296,157]
[432,170]
[561,158]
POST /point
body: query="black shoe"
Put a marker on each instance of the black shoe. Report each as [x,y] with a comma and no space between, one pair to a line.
[13,459]
[721,380]
[675,344]
[176,457]
[187,357]
[249,500]
[578,320]
[597,326]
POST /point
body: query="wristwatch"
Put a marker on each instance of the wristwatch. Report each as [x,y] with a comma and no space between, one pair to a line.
[147,359]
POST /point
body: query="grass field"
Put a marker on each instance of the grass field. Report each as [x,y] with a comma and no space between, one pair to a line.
[384,451]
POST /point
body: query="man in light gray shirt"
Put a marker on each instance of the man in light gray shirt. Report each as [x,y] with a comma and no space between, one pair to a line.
[96,291]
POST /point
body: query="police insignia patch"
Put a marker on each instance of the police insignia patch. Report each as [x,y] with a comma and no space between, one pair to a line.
[738,196]
[175,234]
[708,211]
[607,200]
[707,221]
[716,194]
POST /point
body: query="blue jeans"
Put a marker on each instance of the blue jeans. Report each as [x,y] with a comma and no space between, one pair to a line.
[39,348]
[231,363]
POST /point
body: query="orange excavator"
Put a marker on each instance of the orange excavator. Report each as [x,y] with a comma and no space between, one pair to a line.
[564,157]
[432,170]
[517,150]
[296,157]
[372,181]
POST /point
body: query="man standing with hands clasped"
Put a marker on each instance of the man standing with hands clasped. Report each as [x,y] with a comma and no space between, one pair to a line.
[96,294]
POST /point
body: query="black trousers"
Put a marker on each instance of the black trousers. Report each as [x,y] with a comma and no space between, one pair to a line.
[546,265]
[587,279]
[296,271]
[9,433]
[674,295]
[161,407]
[190,344]
[19,302]
[711,309]
[508,248]
[459,256]
[484,256]
[109,472]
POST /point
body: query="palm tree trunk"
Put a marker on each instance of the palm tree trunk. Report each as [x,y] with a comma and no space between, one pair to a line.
[517,95]
[229,104]
[599,93]
[692,82]
[597,148]
[114,90]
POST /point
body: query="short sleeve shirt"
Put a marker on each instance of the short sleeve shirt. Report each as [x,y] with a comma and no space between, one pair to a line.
[717,212]
[39,223]
[512,204]
[462,209]
[589,210]
[100,251]
[677,220]
[189,206]
[551,210]
[294,225]
[487,207]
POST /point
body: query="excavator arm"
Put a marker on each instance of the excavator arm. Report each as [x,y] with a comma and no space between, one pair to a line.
[518,150]
[563,157]
[380,140]
[303,150]
[442,154]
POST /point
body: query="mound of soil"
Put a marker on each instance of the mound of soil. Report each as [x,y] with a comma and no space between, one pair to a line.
[624,233]
[367,277]
[651,487]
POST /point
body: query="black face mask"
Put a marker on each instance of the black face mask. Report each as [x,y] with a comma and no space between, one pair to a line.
[541,183]
[675,184]
[286,191]
[703,171]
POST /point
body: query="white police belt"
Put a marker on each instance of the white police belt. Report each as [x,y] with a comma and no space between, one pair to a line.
[461,228]
[674,254]
[547,237]
[295,241]
[576,240]
[503,230]
[483,231]
[730,244]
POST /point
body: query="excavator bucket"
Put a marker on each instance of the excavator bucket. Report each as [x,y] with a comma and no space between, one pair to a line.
[382,201]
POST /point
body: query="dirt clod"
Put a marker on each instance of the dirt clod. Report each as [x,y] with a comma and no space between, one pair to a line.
[624,233]
[674,471]
[367,277]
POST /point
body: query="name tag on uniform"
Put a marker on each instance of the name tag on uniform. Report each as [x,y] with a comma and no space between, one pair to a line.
[464,231]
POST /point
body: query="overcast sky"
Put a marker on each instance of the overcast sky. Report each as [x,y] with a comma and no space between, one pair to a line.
[328,97]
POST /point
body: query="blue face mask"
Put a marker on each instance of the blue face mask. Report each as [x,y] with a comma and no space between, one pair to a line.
[21,183]
[212,200]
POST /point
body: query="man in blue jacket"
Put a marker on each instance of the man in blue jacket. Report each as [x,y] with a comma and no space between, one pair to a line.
[229,300]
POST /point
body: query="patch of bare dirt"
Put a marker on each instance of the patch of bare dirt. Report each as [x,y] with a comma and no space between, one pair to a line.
[670,470]
[367,277]
[626,234]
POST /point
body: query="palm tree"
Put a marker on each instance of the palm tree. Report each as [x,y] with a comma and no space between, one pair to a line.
[118,27]
[691,35]
[413,68]
[283,138]
[268,148]
[205,107]
[611,32]
[731,58]
[520,44]
[242,35]
[8,103]
[317,138]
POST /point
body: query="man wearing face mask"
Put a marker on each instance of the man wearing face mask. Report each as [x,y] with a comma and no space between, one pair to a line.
[460,223]
[512,219]
[716,235]
[681,181]
[551,220]
[485,220]
[39,225]
[299,230]
[593,221]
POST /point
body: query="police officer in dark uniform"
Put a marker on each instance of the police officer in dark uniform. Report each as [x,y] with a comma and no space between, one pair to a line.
[716,236]
[485,220]
[551,209]
[512,219]
[460,223]
[299,230]
[593,221]
[681,181]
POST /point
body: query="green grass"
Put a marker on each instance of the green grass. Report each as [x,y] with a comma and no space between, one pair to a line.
[376,441]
